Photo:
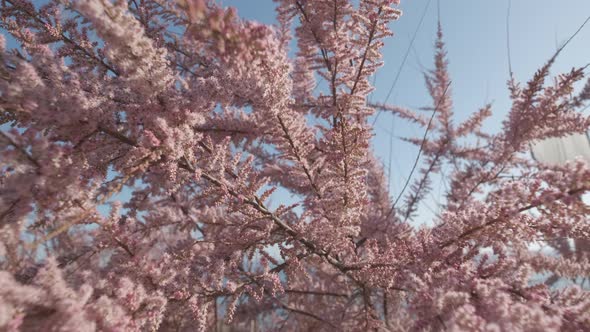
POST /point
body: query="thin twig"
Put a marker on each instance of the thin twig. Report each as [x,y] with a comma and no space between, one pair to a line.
[403,63]
[571,38]
[508,38]
[419,151]
[308,314]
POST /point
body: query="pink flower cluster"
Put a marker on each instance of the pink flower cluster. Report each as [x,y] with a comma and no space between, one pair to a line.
[149,138]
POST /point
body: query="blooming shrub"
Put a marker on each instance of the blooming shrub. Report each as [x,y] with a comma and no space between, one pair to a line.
[200,116]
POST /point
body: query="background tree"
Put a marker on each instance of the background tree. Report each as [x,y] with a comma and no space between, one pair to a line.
[201,116]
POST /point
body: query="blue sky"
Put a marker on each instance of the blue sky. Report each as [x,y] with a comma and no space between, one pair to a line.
[475,34]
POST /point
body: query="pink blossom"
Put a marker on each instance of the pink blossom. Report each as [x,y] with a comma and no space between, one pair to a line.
[141,185]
